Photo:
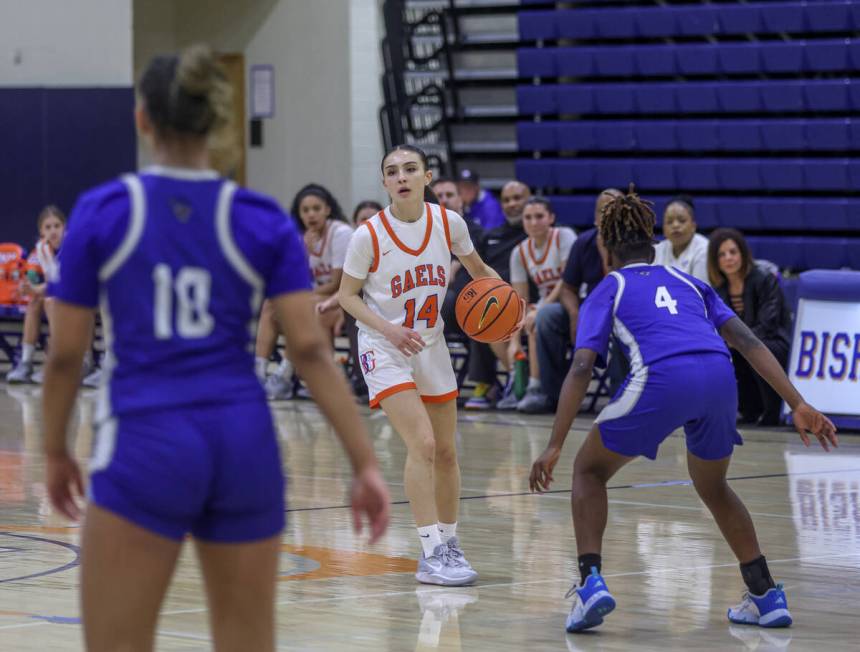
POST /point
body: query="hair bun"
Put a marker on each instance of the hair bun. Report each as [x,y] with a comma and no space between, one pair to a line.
[197,70]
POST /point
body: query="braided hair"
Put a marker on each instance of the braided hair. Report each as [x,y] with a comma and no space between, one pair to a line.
[627,226]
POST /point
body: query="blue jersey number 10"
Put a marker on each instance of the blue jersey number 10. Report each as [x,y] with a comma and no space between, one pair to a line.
[192,288]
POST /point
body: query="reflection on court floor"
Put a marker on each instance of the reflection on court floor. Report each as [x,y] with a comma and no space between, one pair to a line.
[665,561]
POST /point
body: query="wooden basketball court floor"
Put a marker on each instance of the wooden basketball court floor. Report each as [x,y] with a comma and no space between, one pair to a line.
[671,573]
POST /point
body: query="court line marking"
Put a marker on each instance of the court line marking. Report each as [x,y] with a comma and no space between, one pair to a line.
[648,485]
[613,501]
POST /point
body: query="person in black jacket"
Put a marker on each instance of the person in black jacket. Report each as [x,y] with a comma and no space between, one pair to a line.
[757,299]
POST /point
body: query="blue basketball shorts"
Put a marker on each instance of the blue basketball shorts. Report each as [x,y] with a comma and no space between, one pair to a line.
[698,392]
[213,471]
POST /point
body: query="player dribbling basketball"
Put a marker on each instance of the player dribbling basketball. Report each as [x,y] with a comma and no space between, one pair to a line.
[401,259]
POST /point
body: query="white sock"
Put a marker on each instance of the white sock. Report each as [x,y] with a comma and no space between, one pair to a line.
[27,351]
[534,383]
[447,531]
[260,365]
[285,369]
[429,535]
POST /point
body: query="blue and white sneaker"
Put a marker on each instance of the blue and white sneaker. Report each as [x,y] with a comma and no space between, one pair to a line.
[591,603]
[768,610]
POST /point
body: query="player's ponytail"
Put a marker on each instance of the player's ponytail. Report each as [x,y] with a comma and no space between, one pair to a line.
[187,94]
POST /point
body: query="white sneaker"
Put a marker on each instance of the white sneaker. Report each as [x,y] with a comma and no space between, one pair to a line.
[457,553]
[20,374]
[279,388]
[38,376]
[441,568]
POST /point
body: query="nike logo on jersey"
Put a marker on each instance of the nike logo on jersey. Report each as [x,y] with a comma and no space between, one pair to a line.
[493,241]
[492,301]
[424,536]
[385,253]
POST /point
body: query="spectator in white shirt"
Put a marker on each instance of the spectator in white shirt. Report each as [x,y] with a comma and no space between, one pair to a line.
[683,247]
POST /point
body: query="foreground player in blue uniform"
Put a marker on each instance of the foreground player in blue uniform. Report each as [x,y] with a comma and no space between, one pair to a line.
[669,324]
[180,260]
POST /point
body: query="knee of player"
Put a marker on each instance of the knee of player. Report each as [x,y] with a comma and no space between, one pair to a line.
[424,446]
[711,490]
[446,456]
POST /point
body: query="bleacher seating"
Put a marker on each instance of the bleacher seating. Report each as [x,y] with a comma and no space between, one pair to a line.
[745,213]
[748,96]
[691,20]
[693,174]
[752,107]
[831,55]
[829,134]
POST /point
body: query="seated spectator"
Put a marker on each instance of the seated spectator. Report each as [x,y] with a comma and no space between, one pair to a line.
[495,247]
[448,194]
[555,324]
[683,247]
[364,210]
[542,258]
[480,206]
[326,236]
[52,227]
[757,299]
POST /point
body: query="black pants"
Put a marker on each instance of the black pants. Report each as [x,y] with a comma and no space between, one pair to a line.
[356,377]
[756,398]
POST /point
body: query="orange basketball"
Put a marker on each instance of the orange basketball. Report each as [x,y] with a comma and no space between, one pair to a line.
[488,310]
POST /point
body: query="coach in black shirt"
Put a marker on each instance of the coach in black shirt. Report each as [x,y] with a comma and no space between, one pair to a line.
[556,322]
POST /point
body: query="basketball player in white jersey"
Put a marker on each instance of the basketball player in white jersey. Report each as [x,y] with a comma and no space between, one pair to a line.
[541,257]
[400,259]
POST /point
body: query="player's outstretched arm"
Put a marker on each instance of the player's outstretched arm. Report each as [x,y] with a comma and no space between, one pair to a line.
[572,394]
[307,350]
[70,336]
[806,418]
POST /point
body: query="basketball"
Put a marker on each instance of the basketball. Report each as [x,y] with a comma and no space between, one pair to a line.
[488,310]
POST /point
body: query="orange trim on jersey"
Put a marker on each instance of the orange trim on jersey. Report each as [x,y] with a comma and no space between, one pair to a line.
[322,242]
[400,245]
[374,265]
[440,398]
[558,240]
[385,393]
[447,228]
[546,251]
[523,258]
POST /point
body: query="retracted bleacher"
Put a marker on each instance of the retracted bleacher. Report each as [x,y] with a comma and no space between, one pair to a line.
[753,108]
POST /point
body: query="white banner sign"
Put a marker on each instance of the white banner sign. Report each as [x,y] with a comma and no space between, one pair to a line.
[825,355]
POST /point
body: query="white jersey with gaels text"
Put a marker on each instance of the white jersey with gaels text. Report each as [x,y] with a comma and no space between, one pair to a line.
[406,266]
